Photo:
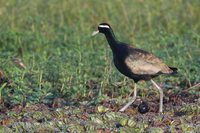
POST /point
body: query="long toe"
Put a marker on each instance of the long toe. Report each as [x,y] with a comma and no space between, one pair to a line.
[127,105]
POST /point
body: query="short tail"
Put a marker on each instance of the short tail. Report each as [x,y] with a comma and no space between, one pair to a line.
[174,69]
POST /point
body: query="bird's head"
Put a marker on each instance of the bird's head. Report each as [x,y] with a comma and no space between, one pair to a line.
[102,28]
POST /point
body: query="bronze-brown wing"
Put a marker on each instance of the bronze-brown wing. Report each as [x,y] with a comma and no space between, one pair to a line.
[142,62]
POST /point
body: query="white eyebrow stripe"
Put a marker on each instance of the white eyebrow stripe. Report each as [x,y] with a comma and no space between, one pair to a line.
[104,26]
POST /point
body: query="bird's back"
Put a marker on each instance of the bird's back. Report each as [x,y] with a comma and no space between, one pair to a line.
[138,64]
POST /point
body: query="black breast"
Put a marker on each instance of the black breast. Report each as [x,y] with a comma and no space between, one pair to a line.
[119,56]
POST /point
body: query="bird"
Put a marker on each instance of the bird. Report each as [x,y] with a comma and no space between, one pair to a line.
[135,63]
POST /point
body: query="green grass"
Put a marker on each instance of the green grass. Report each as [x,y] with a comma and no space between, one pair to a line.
[62,58]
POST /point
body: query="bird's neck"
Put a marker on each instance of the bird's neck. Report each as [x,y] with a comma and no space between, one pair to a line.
[112,41]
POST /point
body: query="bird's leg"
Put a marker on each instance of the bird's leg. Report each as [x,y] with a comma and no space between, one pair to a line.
[161,96]
[132,100]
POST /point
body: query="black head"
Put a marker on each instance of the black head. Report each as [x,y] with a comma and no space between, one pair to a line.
[104,27]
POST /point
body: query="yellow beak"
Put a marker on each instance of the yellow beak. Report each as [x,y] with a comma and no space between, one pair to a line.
[95,32]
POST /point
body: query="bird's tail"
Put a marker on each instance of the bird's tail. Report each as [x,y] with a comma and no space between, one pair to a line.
[174,69]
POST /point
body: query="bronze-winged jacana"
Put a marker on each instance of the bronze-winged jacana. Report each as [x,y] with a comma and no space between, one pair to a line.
[135,63]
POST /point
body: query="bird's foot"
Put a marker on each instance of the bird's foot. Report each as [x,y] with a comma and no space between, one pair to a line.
[127,105]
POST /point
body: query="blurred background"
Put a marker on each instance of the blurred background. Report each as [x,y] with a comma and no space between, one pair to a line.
[56,77]
[47,52]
